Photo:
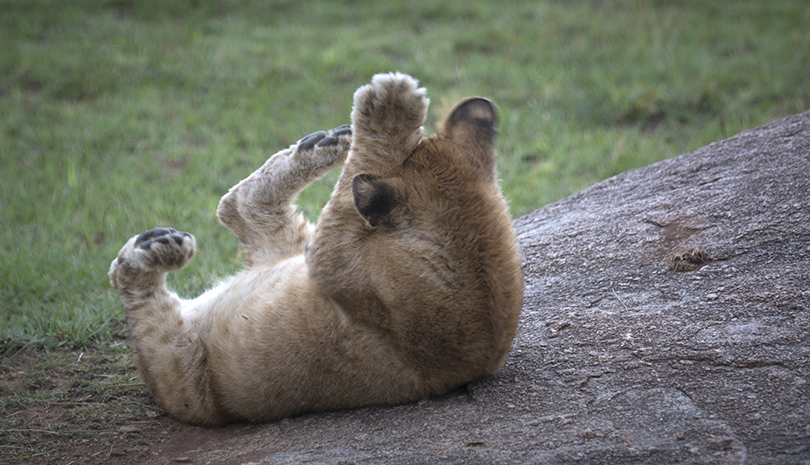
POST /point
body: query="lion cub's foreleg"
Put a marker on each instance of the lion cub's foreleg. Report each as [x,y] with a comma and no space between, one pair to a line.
[259,210]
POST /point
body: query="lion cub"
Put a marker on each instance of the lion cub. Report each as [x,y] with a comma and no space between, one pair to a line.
[409,285]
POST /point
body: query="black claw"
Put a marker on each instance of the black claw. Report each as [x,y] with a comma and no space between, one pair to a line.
[146,239]
[144,236]
[342,130]
[307,142]
[152,233]
[328,140]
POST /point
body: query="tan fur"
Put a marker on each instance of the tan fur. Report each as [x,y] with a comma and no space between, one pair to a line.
[409,285]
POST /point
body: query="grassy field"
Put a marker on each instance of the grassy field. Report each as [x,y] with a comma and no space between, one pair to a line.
[117,116]
[120,115]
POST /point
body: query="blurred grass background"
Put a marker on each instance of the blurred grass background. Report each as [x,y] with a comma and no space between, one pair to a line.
[120,115]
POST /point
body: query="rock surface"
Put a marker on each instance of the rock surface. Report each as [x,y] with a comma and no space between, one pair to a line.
[666,320]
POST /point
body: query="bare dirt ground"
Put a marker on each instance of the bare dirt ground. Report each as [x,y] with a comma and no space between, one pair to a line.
[88,407]
[73,407]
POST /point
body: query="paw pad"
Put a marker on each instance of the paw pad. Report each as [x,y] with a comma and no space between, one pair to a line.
[323,138]
[307,142]
[159,249]
[160,236]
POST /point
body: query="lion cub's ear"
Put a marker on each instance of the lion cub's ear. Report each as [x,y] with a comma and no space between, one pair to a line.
[373,198]
[471,124]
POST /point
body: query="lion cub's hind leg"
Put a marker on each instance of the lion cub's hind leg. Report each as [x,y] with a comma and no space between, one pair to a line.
[170,357]
[140,269]
[259,210]
[139,276]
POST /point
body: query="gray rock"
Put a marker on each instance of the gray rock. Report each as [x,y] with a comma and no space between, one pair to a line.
[674,360]
[666,320]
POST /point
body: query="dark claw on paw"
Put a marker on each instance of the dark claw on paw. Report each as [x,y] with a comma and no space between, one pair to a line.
[146,239]
[342,130]
[307,142]
[328,140]
[146,236]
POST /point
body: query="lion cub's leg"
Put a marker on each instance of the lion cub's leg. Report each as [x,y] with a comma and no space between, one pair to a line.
[139,271]
[387,120]
[259,209]
[170,357]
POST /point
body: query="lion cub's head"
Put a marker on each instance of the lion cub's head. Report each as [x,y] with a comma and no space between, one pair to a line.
[417,238]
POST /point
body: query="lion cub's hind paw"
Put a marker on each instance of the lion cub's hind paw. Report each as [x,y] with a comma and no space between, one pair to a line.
[163,249]
[324,138]
[324,149]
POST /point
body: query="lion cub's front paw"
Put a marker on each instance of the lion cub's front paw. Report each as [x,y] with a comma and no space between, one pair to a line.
[388,115]
[392,102]
[159,249]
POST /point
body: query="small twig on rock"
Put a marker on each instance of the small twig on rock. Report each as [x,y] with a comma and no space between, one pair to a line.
[619,299]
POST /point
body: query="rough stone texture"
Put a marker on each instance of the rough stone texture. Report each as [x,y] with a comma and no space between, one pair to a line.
[618,359]
[704,366]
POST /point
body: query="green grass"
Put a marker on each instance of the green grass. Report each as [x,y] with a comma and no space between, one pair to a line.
[117,116]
